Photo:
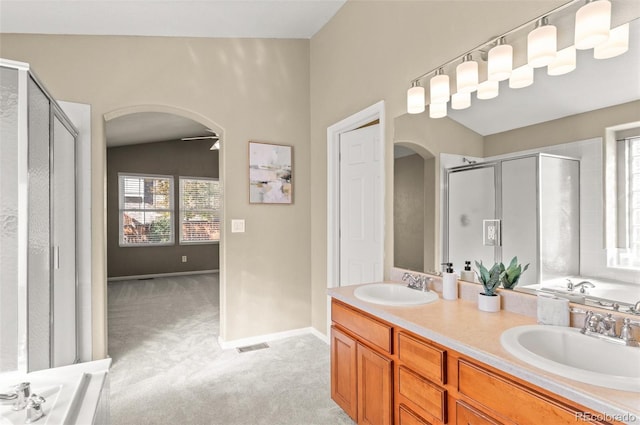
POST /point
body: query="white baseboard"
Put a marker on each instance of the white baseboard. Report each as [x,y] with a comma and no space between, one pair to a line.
[322,337]
[149,276]
[243,342]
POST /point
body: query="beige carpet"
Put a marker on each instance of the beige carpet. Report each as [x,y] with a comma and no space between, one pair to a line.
[169,369]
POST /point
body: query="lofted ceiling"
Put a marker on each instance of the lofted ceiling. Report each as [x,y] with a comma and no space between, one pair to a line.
[593,85]
[170,18]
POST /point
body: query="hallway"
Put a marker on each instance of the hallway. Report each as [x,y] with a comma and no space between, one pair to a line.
[169,369]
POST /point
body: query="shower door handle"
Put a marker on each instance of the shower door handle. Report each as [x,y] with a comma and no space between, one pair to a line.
[56,257]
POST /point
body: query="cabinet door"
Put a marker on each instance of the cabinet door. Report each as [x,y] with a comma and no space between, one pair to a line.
[343,372]
[374,388]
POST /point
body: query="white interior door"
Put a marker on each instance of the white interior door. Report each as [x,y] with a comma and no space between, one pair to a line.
[361,225]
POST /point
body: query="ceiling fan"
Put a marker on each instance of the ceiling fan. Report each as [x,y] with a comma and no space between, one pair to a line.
[213,136]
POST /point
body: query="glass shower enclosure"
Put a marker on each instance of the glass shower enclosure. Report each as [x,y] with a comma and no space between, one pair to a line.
[38,282]
[526,206]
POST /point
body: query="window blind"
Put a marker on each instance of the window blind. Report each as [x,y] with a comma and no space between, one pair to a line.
[200,202]
[146,210]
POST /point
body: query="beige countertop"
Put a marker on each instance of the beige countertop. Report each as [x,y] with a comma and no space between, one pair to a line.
[459,325]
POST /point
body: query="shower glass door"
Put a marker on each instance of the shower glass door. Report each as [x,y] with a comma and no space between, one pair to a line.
[471,199]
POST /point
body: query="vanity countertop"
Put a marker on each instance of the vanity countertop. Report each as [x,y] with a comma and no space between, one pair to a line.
[459,325]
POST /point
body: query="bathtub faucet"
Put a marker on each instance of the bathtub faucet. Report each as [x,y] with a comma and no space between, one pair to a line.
[23,391]
[582,285]
[34,408]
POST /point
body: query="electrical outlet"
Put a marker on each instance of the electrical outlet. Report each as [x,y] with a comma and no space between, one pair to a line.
[184,258]
[491,232]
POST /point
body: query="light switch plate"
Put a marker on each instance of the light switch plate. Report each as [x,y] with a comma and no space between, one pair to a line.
[237,226]
[491,232]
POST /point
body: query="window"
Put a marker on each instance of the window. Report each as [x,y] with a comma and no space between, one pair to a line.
[199,210]
[146,210]
[627,254]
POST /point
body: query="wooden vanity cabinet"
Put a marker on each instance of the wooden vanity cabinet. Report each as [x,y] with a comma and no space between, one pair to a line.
[375,387]
[383,374]
[361,366]
[514,401]
[344,372]
[420,378]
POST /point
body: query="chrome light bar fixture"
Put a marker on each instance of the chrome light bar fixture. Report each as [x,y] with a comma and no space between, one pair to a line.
[592,31]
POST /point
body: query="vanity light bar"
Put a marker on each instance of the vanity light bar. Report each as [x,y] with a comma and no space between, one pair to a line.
[592,30]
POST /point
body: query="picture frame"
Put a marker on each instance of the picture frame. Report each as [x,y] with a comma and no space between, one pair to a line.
[270,173]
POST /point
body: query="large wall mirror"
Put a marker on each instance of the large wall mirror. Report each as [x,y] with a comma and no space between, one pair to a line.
[570,115]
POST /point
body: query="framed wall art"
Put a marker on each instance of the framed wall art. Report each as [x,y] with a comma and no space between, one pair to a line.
[270,173]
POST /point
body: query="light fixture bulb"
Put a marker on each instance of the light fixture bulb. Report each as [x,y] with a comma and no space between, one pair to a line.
[460,101]
[438,110]
[467,75]
[488,89]
[617,44]
[542,44]
[415,98]
[521,77]
[593,21]
[439,87]
[500,61]
[564,62]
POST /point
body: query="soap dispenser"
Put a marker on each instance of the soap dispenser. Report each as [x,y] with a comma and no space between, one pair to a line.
[449,283]
[467,274]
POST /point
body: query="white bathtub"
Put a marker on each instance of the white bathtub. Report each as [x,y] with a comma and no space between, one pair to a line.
[76,394]
[608,291]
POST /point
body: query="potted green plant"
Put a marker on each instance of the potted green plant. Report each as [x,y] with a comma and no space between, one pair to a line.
[512,274]
[490,279]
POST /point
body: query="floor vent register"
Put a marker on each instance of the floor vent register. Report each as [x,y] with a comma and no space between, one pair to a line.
[253,347]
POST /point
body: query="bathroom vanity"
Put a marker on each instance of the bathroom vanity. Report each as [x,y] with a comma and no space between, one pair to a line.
[442,363]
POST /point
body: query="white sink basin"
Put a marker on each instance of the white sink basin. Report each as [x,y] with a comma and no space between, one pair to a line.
[393,294]
[568,353]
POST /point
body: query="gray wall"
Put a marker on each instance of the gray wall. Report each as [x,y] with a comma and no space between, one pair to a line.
[177,158]
[408,207]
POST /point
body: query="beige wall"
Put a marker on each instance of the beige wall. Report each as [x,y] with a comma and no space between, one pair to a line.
[282,91]
[254,89]
[564,130]
[368,52]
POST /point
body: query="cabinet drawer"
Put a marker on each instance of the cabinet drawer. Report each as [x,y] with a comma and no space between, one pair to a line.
[407,417]
[465,415]
[520,404]
[368,329]
[423,394]
[422,357]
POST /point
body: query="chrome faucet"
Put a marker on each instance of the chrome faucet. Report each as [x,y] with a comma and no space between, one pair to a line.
[604,327]
[582,285]
[34,408]
[419,282]
[23,391]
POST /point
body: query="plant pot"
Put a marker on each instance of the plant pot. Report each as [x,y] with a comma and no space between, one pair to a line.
[490,303]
